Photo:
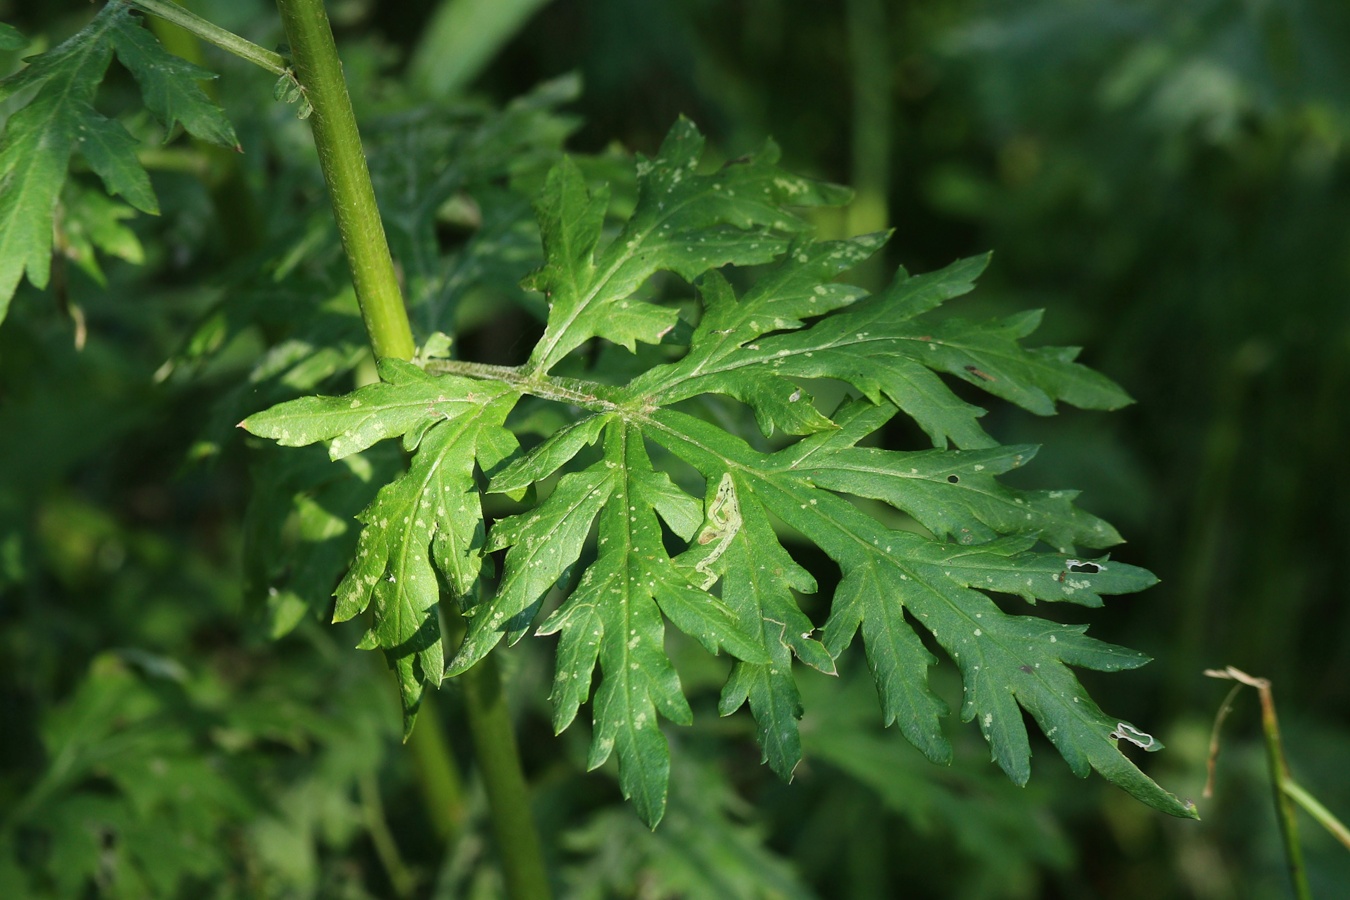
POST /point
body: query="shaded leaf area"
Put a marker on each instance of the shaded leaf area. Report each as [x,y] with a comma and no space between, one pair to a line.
[156,786]
[300,531]
[443,167]
[59,120]
[705,847]
[860,780]
[641,546]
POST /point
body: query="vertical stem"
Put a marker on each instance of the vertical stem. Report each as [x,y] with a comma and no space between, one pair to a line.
[1282,782]
[353,199]
[1284,807]
[437,775]
[344,170]
[494,745]
[871,139]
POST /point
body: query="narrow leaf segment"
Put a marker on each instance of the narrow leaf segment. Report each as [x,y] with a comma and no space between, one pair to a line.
[642,511]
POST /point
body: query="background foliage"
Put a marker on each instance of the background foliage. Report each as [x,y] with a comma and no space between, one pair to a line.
[1169,181]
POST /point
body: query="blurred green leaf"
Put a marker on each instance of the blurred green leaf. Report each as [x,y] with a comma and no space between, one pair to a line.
[60,119]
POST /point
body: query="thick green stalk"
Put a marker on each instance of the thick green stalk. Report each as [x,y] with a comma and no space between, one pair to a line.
[1284,807]
[319,72]
[437,775]
[494,745]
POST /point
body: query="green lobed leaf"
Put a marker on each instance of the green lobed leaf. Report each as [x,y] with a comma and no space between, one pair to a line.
[430,515]
[645,550]
[60,120]
[39,140]
[954,494]
[168,85]
[684,223]
[404,403]
[91,222]
[614,617]
[866,345]
[426,520]
[549,456]
[758,586]
[894,580]
[883,347]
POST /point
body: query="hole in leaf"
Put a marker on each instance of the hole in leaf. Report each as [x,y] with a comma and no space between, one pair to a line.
[953,479]
[1089,567]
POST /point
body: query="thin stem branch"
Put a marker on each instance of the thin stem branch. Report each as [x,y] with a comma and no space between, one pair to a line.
[231,194]
[338,141]
[1324,816]
[212,33]
[386,848]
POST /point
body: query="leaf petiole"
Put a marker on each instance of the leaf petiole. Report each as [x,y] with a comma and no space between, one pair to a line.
[212,33]
[591,395]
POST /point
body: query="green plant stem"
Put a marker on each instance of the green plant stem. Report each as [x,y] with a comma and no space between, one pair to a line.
[211,33]
[1284,806]
[377,826]
[494,745]
[1324,816]
[319,72]
[338,141]
[871,137]
[437,775]
[1281,780]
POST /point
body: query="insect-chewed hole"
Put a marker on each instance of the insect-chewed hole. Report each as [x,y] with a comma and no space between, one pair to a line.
[1091,568]
[953,479]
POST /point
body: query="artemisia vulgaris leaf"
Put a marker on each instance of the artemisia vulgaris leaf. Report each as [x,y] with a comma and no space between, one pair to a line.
[644,510]
[59,120]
